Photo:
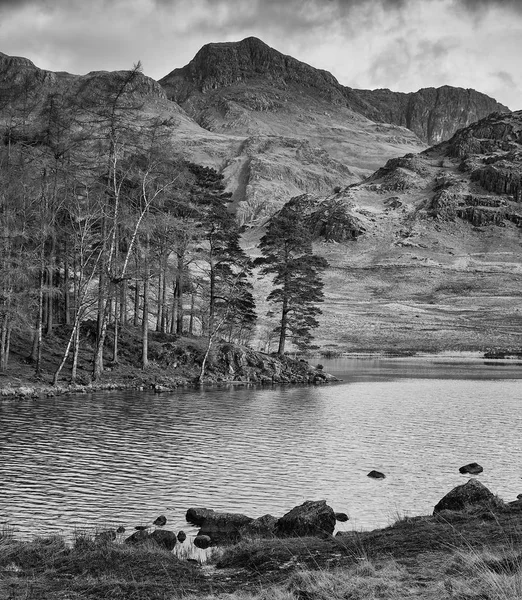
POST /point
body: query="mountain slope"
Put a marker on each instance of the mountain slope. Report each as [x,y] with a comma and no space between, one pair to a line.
[439,266]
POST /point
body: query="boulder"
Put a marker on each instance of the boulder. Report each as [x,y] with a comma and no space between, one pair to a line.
[160,521]
[202,541]
[342,517]
[376,475]
[164,538]
[469,494]
[223,528]
[196,516]
[471,469]
[139,537]
[262,527]
[313,517]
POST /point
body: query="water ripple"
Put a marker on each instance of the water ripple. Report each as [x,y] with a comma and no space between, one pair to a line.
[107,459]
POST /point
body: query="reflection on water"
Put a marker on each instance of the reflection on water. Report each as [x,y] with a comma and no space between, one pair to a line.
[124,458]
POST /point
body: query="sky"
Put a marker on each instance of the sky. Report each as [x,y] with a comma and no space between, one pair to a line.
[403,45]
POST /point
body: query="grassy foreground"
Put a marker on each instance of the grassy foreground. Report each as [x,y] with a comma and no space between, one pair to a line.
[469,555]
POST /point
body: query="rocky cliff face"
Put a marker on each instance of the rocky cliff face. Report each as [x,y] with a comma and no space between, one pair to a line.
[432,114]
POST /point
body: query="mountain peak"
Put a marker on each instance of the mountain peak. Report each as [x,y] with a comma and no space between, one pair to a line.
[224,64]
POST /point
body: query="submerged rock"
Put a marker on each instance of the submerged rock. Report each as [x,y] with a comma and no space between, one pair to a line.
[471,493]
[471,468]
[313,517]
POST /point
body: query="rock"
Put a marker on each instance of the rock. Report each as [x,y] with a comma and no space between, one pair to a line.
[164,538]
[262,527]
[469,494]
[160,521]
[341,517]
[139,537]
[196,516]
[121,529]
[519,497]
[313,517]
[471,468]
[202,541]
[182,536]
[376,475]
[223,528]
[141,527]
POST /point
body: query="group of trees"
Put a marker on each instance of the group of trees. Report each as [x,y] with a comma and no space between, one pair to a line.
[102,223]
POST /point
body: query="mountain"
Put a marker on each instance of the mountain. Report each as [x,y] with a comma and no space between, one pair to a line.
[438,265]
[434,114]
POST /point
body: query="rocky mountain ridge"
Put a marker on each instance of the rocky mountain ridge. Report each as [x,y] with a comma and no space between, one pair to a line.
[433,114]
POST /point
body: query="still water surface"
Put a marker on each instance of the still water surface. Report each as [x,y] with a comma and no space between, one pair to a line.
[124,458]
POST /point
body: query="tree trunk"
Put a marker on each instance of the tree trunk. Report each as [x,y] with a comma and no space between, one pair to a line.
[159,312]
[284,326]
[76,352]
[137,304]
[145,318]
[116,330]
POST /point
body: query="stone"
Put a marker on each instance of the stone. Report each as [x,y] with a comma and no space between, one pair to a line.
[196,516]
[224,528]
[341,517]
[164,538]
[139,537]
[312,518]
[121,529]
[471,469]
[160,521]
[471,493]
[262,527]
[202,541]
[376,475]
[182,536]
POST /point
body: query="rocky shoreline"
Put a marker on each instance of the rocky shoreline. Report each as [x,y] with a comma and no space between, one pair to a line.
[235,365]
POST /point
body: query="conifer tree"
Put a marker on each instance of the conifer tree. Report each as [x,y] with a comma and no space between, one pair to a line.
[298,287]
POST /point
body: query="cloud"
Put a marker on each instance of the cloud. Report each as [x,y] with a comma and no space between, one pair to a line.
[401,44]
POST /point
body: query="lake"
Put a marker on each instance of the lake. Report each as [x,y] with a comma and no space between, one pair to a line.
[106,459]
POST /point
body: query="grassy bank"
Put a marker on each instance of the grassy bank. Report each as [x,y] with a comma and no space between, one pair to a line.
[468,555]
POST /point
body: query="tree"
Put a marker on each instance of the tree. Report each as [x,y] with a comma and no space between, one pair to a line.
[298,287]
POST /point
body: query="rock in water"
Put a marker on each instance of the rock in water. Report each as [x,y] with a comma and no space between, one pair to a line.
[470,494]
[376,475]
[262,527]
[471,469]
[196,516]
[182,536]
[313,517]
[165,539]
[160,521]
[342,517]
[224,528]
[202,541]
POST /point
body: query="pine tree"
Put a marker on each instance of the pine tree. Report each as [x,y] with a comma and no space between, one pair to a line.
[298,287]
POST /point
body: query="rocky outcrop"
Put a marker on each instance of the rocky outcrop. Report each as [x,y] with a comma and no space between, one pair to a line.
[312,518]
[434,114]
[470,494]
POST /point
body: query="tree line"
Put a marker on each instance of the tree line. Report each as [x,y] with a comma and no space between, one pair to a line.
[104,226]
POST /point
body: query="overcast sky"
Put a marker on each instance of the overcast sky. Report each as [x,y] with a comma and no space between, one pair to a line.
[400,44]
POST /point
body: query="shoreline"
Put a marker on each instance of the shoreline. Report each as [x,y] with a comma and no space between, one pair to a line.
[149,382]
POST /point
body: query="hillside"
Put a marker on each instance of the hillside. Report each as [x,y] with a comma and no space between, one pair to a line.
[439,265]
[306,132]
